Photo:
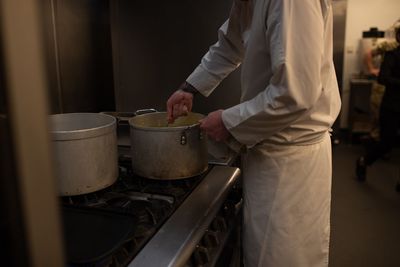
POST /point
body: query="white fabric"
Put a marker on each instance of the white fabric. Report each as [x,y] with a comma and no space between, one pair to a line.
[289,87]
[287,205]
[289,101]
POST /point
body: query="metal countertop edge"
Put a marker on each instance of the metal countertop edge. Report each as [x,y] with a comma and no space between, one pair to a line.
[175,241]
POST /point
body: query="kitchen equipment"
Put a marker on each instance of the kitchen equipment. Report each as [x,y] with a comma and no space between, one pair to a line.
[167,151]
[123,137]
[122,118]
[198,232]
[187,220]
[85,150]
[219,153]
[92,235]
[224,153]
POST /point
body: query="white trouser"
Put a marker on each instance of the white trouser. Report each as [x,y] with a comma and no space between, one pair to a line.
[287,199]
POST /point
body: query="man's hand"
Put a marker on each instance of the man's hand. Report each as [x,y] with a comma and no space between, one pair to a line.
[179,104]
[214,126]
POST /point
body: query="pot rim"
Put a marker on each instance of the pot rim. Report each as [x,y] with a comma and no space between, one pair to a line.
[60,135]
[163,129]
[120,115]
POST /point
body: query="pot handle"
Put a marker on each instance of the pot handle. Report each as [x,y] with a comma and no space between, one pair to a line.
[144,111]
[183,139]
[121,117]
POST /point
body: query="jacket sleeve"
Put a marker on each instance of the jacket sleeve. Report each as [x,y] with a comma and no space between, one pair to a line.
[295,34]
[223,57]
[386,76]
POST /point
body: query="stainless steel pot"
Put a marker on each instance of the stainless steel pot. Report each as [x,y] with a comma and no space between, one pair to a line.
[86,157]
[162,151]
[123,128]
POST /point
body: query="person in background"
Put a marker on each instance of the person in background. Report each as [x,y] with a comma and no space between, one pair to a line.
[289,101]
[377,90]
[389,115]
[372,60]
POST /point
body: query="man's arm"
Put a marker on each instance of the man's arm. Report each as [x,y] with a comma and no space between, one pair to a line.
[222,58]
[225,55]
[368,57]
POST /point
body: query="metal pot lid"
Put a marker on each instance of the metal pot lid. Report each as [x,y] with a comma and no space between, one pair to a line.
[157,121]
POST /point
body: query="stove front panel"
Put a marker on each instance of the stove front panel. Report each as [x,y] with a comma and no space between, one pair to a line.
[199,220]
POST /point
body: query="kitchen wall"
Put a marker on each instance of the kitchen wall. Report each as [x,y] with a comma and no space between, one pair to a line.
[155,47]
[339,34]
[339,28]
[361,15]
[79,55]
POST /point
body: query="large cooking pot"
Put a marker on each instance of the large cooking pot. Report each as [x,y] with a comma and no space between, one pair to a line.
[123,128]
[168,151]
[86,157]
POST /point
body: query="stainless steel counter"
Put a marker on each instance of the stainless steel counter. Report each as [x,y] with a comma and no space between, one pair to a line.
[176,240]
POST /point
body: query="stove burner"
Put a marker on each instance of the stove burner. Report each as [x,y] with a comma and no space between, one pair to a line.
[175,188]
[144,230]
[149,202]
[141,196]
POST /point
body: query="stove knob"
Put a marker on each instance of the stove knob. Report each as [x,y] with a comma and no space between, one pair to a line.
[211,239]
[201,256]
[219,224]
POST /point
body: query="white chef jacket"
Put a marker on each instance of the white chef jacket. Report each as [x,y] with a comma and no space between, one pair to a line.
[289,87]
[289,101]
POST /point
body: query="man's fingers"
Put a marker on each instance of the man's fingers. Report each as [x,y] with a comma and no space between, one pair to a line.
[184,109]
[189,105]
[179,104]
[213,126]
[175,111]
[169,109]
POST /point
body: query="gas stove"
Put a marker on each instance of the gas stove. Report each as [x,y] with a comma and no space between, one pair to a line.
[181,221]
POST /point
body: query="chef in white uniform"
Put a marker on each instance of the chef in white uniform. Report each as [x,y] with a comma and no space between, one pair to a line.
[289,101]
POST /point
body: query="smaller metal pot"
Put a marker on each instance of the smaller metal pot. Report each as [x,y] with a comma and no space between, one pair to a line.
[123,127]
[85,151]
[168,151]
